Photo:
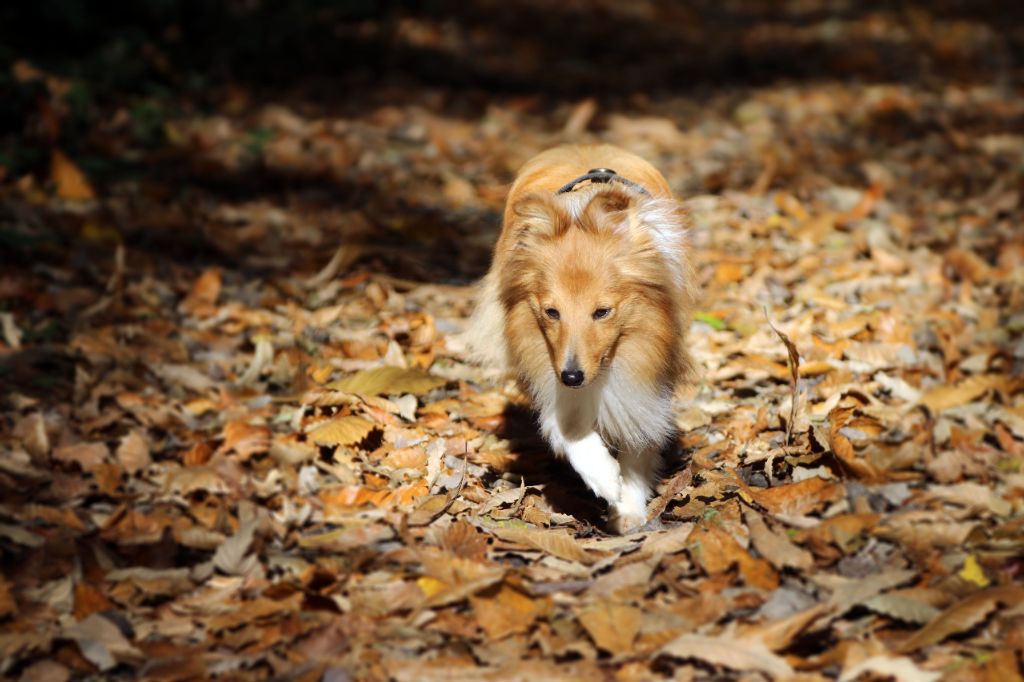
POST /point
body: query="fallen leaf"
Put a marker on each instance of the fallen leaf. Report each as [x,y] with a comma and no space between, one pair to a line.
[742,655]
[963,616]
[133,452]
[388,380]
[774,546]
[101,642]
[972,572]
[557,543]
[946,397]
[797,499]
[612,627]
[70,182]
[503,610]
[899,669]
[341,431]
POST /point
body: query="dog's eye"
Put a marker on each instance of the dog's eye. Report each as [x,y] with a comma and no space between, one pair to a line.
[552,313]
[602,313]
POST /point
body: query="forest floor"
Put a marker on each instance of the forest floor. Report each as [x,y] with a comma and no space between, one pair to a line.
[240,437]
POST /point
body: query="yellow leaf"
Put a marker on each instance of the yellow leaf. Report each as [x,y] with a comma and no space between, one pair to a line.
[71,183]
[430,586]
[388,380]
[341,431]
[972,572]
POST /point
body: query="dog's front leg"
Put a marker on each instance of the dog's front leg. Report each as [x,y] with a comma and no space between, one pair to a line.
[589,456]
[639,473]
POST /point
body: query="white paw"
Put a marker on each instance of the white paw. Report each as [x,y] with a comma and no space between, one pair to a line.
[622,522]
[602,476]
[629,511]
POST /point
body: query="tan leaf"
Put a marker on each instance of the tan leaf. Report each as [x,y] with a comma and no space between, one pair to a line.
[464,540]
[776,547]
[133,452]
[101,641]
[388,380]
[777,635]
[231,557]
[945,397]
[902,608]
[744,655]
[899,669]
[557,543]
[963,616]
[613,627]
[504,610]
[70,182]
[341,431]
[87,455]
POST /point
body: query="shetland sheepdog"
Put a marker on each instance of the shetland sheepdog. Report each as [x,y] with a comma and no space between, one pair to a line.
[587,302]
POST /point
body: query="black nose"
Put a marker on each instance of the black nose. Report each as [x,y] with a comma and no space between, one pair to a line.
[572,377]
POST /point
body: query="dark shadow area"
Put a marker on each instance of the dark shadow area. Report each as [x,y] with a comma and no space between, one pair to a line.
[563,488]
[560,49]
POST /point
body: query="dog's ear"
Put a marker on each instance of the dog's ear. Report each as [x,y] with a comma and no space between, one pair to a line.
[610,210]
[533,216]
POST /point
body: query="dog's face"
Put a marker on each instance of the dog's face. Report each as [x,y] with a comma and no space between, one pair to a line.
[570,264]
[581,308]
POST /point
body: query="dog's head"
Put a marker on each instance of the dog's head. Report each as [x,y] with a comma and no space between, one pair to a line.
[591,266]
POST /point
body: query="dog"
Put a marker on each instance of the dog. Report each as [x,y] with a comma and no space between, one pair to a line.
[587,302]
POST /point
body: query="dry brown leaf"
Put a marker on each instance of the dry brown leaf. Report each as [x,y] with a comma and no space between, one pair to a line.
[946,397]
[794,377]
[88,456]
[204,293]
[388,380]
[963,616]
[8,606]
[898,669]
[504,610]
[70,182]
[612,627]
[101,642]
[133,452]
[744,655]
[341,431]
[557,543]
[776,547]
[245,439]
[717,551]
[797,499]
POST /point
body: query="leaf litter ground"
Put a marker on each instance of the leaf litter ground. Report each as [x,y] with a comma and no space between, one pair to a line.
[241,438]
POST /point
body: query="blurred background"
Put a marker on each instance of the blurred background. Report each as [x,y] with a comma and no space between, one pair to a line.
[260,131]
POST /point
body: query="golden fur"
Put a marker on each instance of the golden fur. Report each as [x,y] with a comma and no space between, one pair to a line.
[588,302]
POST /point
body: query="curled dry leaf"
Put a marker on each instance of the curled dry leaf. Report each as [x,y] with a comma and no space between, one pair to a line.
[964,615]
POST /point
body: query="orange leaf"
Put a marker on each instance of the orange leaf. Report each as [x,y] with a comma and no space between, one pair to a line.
[613,627]
[245,439]
[504,610]
[71,183]
[798,498]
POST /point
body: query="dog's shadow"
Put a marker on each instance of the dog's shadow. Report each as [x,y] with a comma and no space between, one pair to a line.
[562,488]
[534,462]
